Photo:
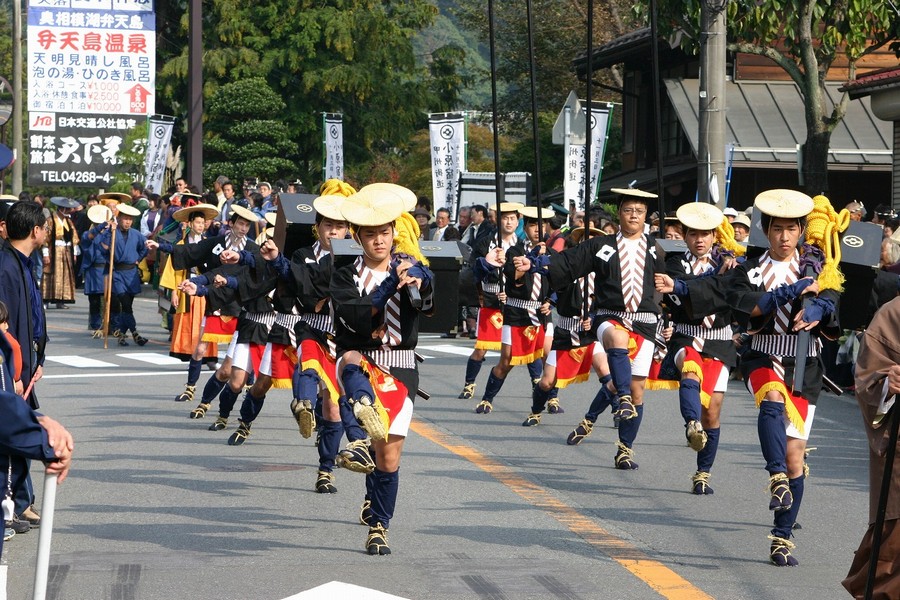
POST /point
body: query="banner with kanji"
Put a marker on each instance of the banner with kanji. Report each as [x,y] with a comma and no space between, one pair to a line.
[334,146]
[573,186]
[75,149]
[448,137]
[91,56]
[159,135]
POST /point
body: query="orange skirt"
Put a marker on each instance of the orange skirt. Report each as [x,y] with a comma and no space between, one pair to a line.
[390,393]
[186,328]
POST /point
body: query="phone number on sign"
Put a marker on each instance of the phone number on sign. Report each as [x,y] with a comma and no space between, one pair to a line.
[74,177]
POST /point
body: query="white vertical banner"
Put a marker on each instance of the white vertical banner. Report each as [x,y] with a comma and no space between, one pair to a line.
[574,159]
[448,139]
[159,136]
[333,142]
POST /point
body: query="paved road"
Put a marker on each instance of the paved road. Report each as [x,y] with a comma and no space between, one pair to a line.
[158,507]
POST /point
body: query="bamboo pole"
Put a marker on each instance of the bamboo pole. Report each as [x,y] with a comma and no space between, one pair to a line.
[109,282]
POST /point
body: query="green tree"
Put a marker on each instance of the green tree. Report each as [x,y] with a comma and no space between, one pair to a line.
[241,143]
[355,57]
[803,37]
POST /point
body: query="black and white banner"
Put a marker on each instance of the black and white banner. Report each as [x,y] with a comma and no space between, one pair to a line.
[574,164]
[333,141]
[159,135]
[448,139]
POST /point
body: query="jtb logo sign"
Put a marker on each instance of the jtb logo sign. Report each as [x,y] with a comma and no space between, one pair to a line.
[41,121]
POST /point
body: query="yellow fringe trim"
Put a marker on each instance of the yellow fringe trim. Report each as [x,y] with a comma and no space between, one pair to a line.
[822,229]
[282,384]
[315,366]
[480,345]
[704,398]
[790,410]
[691,366]
[725,238]
[527,358]
[219,338]
[661,384]
[562,383]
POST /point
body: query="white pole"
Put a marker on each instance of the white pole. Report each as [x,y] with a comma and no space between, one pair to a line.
[46,530]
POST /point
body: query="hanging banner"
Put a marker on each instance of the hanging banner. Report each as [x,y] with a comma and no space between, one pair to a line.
[76,149]
[159,135]
[574,163]
[91,57]
[448,138]
[333,142]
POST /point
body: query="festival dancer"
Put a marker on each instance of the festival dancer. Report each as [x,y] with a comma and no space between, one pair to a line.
[767,294]
[377,300]
[702,344]
[525,307]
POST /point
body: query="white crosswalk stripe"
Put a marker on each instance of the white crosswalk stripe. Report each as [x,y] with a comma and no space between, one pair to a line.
[154,358]
[81,362]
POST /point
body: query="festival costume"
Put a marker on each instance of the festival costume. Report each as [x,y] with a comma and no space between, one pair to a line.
[94,268]
[58,283]
[624,298]
[775,288]
[131,248]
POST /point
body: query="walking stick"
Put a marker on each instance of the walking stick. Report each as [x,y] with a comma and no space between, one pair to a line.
[499,180]
[48,506]
[883,499]
[109,283]
[588,163]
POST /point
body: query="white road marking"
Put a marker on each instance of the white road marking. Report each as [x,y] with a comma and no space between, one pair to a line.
[338,589]
[154,358]
[457,350]
[180,372]
[80,362]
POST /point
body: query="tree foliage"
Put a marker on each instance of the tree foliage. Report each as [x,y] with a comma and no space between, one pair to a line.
[804,37]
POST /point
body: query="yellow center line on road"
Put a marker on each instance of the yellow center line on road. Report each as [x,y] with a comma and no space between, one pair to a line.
[661,578]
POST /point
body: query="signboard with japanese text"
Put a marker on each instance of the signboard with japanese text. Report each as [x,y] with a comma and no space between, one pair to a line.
[74,149]
[448,138]
[334,146]
[573,185]
[91,56]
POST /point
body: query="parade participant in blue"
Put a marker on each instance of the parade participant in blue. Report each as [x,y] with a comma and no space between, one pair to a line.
[487,281]
[525,308]
[376,331]
[222,308]
[26,229]
[572,352]
[702,344]
[131,248]
[767,295]
[187,325]
[26,435]
[94,266]
[626,312]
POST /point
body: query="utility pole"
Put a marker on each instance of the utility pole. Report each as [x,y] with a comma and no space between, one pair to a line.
[195,93]
[18,96]
[711,141]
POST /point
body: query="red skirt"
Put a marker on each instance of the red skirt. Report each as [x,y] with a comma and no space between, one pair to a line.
[574,366]
[527,344]
[314,356]
[490,327]
[219,329]
[390,393]
[282,360]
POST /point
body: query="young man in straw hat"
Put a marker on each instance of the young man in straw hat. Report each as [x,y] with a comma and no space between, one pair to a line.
[702,344]
[767,295]
[525,308]
[376,330]
[131,248]
[94,266]
[626,311]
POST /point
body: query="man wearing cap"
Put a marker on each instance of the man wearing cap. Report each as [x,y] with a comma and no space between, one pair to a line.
[702,344]
[61,247]
[525,308]
[730,213]
[376,331]
[741,226]
[130,249]
[222,308]
[626,312]
[767,296]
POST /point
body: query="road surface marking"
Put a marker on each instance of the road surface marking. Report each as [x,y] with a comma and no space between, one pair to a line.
[451,349]
[154,358]
[80,362]
[339,589]
[662,579]
[119,374]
